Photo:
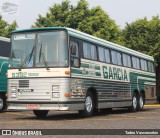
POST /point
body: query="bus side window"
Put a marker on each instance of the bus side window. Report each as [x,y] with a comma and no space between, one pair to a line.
[126,60]
[93,52]
[136,63]
[5,49]
[143,64]
[114,57]
[129,61]
[86,50]
[107,55]
[119,58]
[150,67]
[89,51]
[75,61]
[104,55]
[101,54]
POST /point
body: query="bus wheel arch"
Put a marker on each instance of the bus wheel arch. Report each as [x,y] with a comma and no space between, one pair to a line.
[91,103]
[143,94]
[95,96]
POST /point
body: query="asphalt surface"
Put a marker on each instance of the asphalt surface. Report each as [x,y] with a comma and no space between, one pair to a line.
[120,118]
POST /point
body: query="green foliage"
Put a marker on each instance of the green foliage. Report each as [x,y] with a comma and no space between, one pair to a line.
[92,21]
[5,28]
[144,35]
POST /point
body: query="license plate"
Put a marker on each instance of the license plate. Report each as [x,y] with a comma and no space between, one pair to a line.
[25,90]
[32,106]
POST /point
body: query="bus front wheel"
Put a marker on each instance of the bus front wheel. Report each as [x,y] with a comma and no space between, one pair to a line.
[140,102]
[40,113]
[88,106]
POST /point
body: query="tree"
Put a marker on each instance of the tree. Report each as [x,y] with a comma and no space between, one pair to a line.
[5,28]
[92,21]
[144,35]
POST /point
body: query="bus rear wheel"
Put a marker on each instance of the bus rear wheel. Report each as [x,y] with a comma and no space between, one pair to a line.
[2,103]
[88,106]
[140,102]
[134,106]
[40,113]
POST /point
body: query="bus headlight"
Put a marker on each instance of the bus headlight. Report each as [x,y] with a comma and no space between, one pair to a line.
[55,91]
[13,88]
[55,95]
[55,88]
[13,94]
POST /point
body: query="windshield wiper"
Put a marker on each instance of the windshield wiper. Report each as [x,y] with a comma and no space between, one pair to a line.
[41,54]
[29,56]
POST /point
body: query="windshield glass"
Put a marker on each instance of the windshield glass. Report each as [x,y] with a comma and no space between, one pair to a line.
[41,49]
[22,50]
[52,48]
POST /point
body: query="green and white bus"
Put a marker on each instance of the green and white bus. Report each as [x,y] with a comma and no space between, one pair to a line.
[58,68]
[4,57]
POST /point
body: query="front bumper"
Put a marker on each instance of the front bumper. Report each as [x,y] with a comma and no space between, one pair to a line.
[57,106]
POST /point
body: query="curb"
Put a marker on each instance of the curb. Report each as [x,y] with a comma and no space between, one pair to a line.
[153,105]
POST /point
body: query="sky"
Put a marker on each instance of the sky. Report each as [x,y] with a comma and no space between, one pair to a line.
[121,11]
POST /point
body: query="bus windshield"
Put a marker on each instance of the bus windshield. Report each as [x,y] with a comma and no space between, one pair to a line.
[39,49]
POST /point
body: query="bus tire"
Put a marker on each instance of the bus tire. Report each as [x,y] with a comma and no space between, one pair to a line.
[2,103]
[89,106]
[40,113]
[140,103]
[134,106]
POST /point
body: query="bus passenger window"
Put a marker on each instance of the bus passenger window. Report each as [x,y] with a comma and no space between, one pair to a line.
[150,67]
[101,54]
[129,61]
[74,54]
[89,51]
[107,55]
[143,64]
[114,57]
[86,50]
[126,60]
[124,56]
[135,62]
[119,58]
[93,52]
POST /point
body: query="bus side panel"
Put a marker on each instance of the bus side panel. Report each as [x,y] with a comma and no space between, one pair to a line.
[144,82]
[112,91]
[3,70]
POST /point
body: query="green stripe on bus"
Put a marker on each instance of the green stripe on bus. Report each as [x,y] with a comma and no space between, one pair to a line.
[97,73]
[97,67]
[76,71]
[84,65]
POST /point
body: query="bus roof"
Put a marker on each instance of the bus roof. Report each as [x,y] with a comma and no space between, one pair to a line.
[90,38]
[4,39]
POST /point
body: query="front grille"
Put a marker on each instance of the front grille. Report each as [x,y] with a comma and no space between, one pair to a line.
[23,83]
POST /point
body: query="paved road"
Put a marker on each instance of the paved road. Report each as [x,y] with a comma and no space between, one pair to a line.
[117,119]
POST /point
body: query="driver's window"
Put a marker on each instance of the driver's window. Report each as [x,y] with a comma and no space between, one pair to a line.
[74,54]
[74,49]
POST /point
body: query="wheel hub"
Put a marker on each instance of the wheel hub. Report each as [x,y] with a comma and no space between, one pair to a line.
[88,104]
[141,102]
[134,102]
